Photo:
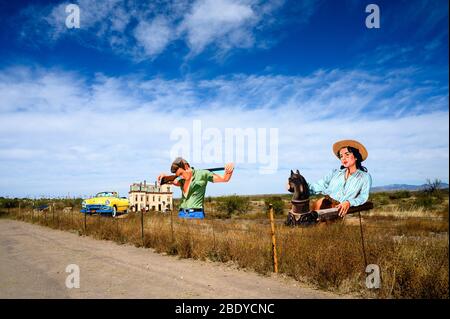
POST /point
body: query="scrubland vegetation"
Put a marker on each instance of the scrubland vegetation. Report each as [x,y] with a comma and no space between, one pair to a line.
[406,235]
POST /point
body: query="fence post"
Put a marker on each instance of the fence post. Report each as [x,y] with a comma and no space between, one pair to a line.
[19,211]
[274,244]
[171,224]
[117,220]
[214,235]
[85,223]
[57,215]
[362,240]
[142,225]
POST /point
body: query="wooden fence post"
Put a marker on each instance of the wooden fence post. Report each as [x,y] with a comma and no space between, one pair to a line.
[274,244]
[142,225]
[214,235]
[171,224]
[85,223]
[57,215]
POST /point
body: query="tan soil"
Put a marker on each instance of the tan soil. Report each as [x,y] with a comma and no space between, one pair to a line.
[33,260]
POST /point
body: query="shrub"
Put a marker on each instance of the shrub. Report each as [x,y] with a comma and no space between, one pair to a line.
[400,194]
[233,204]
[277,204]
[424,201]
[412,251]
[9,202]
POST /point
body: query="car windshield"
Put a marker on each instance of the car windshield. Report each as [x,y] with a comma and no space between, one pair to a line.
[106,194]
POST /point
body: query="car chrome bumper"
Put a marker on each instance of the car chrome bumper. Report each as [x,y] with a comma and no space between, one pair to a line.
[92,209]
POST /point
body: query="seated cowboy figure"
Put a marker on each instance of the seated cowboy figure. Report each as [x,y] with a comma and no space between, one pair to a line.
[192,183]
[347,186]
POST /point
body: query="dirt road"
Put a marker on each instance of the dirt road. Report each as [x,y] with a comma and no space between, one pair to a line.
[33,261]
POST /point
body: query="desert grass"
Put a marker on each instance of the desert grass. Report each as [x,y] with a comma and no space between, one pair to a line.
[397,212]
[412,252]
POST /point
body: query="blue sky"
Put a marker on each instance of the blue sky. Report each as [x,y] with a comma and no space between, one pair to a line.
[92,109]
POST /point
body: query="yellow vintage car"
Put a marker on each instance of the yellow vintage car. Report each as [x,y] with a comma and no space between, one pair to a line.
[105,203]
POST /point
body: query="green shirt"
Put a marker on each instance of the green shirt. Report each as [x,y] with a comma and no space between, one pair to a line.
[197,189]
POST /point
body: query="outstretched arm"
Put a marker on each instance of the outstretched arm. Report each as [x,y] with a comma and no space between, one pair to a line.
[174,182]
[320,186]
[229,168]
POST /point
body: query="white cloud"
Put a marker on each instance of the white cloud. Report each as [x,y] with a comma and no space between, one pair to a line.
[67,134]
[227,22]
[154,36]
[144,30]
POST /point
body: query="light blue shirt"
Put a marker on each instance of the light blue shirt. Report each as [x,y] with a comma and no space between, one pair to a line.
[355,189]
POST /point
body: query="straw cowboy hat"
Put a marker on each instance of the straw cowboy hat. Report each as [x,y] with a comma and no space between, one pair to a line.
[344,143]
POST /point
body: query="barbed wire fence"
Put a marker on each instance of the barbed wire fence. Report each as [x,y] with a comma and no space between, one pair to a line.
[214,230]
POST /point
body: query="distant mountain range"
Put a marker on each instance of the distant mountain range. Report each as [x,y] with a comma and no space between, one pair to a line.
[401,187]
